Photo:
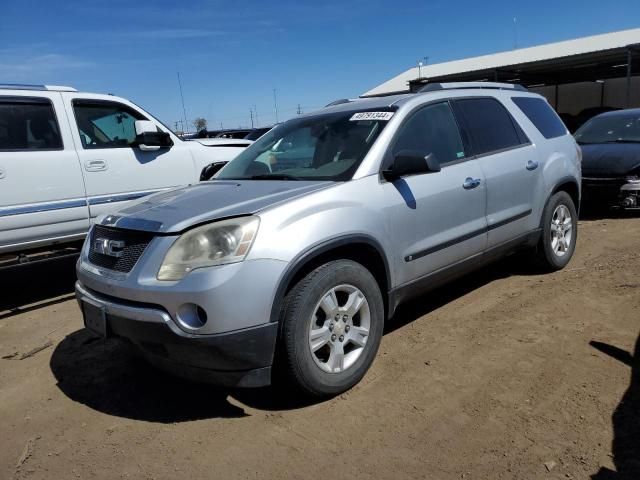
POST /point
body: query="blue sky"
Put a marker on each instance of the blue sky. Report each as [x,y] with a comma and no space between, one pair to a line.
[231,55]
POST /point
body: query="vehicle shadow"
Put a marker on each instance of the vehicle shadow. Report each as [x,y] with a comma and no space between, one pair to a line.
[626,419]
[406,313]
[27,284]
[108,376]
[595,212]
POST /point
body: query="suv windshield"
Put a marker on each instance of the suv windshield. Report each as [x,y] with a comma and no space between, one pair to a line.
[322,147]
[610,129]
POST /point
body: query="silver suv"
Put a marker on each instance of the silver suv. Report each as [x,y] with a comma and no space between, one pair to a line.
[293,257]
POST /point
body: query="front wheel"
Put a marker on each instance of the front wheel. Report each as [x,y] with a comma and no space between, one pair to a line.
[559,232]
[332,325]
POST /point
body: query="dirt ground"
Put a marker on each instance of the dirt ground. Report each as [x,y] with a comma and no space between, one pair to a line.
[504,374]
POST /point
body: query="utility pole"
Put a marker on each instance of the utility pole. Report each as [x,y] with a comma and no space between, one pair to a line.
[299,112]
[255,111]
[251,113]
[175,129]
[184,110]
[275,103]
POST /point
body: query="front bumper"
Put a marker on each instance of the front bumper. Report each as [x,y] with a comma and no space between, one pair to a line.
[611,192]
[240,358]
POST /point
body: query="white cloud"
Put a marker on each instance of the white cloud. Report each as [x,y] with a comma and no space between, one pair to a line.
[171,33]
[16,66]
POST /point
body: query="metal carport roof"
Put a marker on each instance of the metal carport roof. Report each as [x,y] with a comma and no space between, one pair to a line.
[610,55]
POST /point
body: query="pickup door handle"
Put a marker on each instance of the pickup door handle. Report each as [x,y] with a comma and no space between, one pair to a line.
[532,165]
[2,173]
[95,165]
[470,183]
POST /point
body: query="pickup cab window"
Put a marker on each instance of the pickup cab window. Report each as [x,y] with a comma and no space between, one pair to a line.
[105,124]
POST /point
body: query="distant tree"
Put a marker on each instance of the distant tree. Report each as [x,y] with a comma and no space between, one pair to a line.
[200,124]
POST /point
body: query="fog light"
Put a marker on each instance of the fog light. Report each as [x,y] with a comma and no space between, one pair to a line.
[629,201]
[191,316]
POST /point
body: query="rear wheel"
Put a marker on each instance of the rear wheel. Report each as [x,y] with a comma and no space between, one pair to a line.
[332,326]
[559,232]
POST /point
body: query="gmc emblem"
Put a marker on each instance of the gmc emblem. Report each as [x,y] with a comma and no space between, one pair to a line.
[112,248]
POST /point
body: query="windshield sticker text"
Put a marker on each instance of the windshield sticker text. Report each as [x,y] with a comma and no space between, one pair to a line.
[371,116]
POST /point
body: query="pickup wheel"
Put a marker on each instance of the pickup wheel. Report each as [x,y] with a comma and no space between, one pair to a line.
[559,233]
[331,328]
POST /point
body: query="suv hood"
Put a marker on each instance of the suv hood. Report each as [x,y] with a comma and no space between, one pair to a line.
[610,159]
[176,210]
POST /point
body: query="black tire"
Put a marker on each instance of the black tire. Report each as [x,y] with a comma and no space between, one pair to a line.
[545,256]
[297,361]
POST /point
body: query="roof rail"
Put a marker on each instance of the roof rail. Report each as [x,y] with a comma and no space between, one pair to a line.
[23,86]
[60,88]
[338,102]
[432,87]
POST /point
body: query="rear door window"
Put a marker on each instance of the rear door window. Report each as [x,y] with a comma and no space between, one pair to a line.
[489,125]
[432,130]
[28,124]
[542,116]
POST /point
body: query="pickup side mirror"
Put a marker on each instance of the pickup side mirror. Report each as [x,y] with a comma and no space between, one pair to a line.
[411,162]
[210,170]
[148,138]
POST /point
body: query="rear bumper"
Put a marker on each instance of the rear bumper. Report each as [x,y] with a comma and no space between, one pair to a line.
[240,358]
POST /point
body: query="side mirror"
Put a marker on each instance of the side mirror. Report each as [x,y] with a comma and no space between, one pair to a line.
[148,138]
[410,162]
[210,170]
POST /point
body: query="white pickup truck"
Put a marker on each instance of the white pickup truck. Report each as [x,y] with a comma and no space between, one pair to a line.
[67,157]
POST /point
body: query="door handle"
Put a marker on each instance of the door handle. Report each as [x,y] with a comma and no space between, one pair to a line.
[2,173]
[470,183]
[95,165]
[532,165]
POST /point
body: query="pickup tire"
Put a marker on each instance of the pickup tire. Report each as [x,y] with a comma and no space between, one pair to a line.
[559,233]
[332,323]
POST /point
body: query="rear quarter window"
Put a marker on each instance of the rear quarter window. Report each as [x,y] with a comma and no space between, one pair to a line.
[542,116]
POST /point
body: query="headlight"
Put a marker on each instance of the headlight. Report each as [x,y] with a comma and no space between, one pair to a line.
[217,243]
[632,178]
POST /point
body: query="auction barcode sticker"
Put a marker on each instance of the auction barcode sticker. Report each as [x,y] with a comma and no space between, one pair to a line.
[371,116]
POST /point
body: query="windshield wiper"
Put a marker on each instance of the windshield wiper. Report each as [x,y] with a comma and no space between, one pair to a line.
[273,176]
[608,141]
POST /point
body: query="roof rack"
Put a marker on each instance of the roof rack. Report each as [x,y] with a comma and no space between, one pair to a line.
[433,87]
[23,86]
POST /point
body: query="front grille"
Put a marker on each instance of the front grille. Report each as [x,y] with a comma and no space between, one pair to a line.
[603,182]
[595,188]
[134,246]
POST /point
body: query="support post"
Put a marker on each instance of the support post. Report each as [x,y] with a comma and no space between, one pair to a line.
[629,60]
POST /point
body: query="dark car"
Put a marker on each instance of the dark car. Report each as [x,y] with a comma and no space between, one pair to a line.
[588,113]
[256,133]
[233,134]
[611,159]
